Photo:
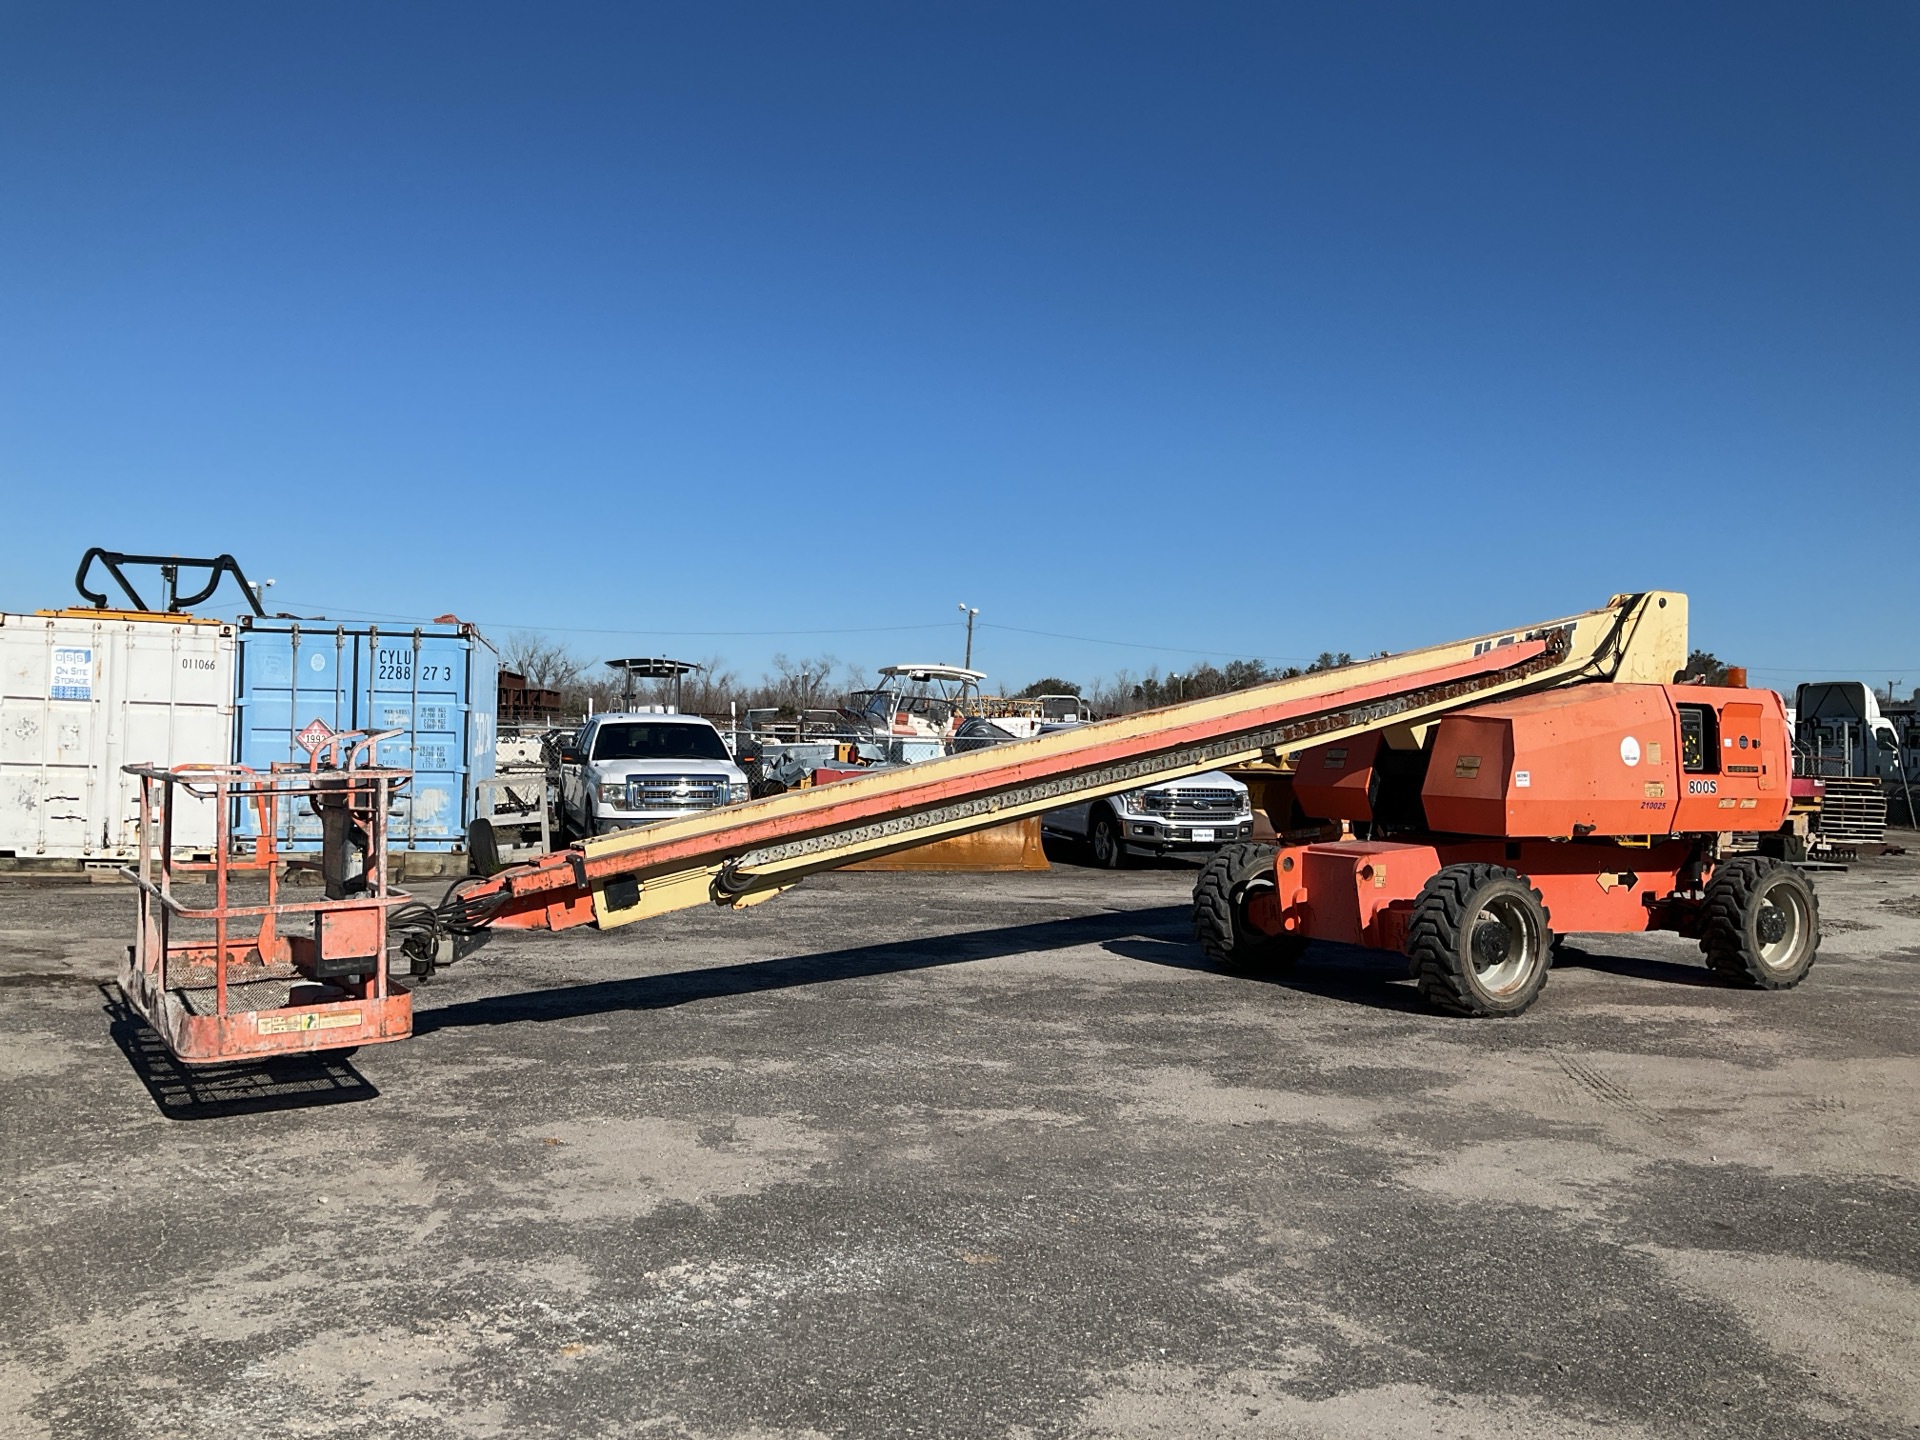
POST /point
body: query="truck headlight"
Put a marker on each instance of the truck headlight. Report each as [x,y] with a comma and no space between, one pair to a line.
[1243,803]
[612,793]
[1150,802]
[736,792]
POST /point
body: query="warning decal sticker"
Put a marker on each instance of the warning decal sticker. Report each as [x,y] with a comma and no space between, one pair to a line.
[288,1024]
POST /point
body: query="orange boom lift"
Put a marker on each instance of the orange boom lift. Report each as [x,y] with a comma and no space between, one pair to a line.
[1518,697]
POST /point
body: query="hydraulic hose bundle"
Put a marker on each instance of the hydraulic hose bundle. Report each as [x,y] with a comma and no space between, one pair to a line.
[428,933]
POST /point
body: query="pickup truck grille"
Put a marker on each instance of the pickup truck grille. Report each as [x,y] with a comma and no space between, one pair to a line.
[1191,802]
[676,792]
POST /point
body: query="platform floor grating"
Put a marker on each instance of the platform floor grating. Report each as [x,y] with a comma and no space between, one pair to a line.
[201,996]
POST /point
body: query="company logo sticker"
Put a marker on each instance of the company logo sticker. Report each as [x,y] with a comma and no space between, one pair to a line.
[72,674]
[1629,751]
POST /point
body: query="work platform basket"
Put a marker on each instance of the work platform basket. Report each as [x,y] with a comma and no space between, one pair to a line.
[224,964]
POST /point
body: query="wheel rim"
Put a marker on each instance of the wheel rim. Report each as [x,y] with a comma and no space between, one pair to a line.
[1503,944]
[1103,842]
[1781,922]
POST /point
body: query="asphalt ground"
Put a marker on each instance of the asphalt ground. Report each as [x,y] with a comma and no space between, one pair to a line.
[973,1156]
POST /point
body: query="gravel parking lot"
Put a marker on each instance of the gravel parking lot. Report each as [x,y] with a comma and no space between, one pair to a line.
[974,1156]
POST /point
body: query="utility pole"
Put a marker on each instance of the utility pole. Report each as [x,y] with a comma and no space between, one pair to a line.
[967,664]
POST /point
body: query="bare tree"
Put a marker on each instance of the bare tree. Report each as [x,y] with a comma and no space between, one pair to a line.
[819,682]
[822,682]
[546,663]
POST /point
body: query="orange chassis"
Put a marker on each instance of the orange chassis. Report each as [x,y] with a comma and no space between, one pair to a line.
[1362,892]
[1561,787]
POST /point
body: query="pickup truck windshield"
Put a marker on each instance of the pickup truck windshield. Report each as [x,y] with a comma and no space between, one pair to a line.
[643,741]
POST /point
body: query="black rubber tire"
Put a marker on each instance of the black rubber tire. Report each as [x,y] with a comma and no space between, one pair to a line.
[483,847]
[1105,822]
[1735,923]
[1441,941]
[1220,923]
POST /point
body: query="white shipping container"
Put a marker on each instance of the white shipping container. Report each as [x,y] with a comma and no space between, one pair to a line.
[84,692]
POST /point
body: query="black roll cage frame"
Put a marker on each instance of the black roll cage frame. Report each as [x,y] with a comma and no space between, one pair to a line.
[170,567]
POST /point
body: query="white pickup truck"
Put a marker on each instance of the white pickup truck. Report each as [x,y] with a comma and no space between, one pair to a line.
[628,768]
[1199,813]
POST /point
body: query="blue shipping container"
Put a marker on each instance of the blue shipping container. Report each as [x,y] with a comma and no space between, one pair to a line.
[436,684]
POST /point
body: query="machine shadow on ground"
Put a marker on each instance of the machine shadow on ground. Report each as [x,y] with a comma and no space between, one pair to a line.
[1335,972]
[214,1092]
[684,987]
[1572,955]
[1379,979]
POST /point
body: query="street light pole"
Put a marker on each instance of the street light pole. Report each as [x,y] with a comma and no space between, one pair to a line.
[967,664]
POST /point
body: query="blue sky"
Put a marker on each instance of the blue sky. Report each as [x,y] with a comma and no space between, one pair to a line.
[1243,329]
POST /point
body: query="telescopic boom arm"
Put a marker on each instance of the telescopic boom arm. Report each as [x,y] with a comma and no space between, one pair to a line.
[745,854]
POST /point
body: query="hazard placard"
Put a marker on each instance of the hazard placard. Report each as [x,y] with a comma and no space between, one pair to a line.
[314,736]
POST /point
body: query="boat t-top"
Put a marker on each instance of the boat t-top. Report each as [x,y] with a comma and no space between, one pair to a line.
[922,702]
